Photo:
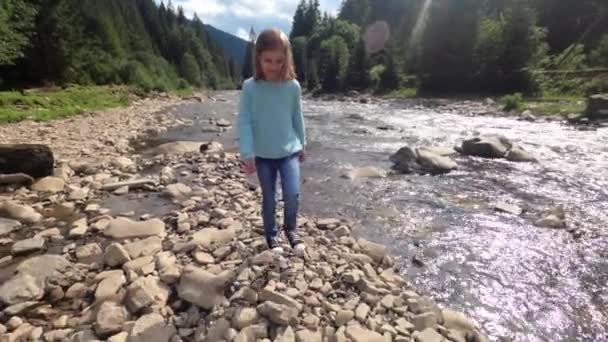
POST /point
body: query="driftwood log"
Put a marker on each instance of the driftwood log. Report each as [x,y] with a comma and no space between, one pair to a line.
[33,160]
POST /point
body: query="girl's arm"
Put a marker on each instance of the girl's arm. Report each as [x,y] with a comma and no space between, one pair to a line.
[244,125]
[298,118]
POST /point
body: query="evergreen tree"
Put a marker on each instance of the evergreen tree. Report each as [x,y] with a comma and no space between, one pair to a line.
[313,17]
[358,76]
[299,56]
[334,63]
[447,47]
[312,76]
[298,27]
[519,45]
[355,11]
[190,70]
[572,22]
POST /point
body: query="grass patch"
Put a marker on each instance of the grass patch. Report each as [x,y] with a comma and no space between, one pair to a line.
[402,93]
[548,105]
[183,92]
[48,104]
[556,105]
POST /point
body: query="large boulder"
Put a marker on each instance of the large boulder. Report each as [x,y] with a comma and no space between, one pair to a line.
[435,163]
[597,107]
[518,154]
[405,160]
[423,160]
[492,146]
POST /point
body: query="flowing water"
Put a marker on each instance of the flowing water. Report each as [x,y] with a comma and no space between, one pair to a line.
[519,281]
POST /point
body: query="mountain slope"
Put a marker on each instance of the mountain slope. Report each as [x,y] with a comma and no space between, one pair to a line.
[233,46]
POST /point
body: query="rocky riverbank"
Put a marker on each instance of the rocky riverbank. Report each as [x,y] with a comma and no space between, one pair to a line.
[72,270]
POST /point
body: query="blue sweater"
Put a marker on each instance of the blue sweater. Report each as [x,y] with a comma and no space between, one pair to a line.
[270,122]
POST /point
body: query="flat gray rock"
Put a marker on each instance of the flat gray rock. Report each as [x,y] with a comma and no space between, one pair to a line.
[28,246]
[7,226]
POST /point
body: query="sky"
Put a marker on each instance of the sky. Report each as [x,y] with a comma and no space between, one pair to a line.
[237,16]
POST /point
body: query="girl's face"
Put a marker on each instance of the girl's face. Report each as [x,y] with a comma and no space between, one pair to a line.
[272,62]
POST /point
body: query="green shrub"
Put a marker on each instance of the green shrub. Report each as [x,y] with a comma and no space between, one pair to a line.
[512,102]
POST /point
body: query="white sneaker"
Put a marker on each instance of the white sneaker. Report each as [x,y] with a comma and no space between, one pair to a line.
[299,249]
[277,250]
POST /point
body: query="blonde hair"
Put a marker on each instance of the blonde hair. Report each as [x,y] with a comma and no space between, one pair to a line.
[273,39]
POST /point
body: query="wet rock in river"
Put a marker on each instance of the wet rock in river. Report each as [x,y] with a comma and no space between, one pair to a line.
[597,107]
[553,218]
[364,172]
[518,154]
[434,163]
[486,147]
[527,116]
[422,160]
[508,208]
[494,146]
[405,160]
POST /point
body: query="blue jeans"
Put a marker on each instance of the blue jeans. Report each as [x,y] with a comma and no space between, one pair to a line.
[289,169]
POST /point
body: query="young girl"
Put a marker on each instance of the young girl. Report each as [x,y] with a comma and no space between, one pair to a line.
[271,133]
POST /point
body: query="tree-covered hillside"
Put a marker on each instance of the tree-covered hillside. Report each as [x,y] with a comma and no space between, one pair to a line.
[107,42]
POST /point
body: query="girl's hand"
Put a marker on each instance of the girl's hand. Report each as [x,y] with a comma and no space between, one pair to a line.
[302,156]
[249,166]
